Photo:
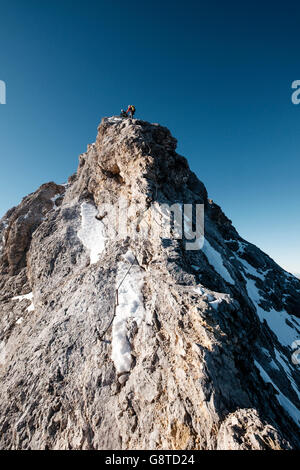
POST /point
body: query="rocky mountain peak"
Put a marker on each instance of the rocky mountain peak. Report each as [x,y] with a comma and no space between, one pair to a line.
[134,155]
[117,338]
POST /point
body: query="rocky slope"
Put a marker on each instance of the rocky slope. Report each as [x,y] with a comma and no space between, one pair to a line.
[132,341]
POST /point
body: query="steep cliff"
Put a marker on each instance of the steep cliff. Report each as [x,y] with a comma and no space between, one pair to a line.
[124,338]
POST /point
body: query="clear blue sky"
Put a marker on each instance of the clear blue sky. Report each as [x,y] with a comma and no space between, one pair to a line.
[217,73]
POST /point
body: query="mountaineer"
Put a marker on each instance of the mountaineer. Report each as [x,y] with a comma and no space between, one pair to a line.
[131,110]
[123,114]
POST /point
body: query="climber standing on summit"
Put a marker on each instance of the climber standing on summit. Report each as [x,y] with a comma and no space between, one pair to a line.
[131,110]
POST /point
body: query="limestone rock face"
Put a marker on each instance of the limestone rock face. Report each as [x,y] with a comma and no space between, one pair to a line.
[124,339]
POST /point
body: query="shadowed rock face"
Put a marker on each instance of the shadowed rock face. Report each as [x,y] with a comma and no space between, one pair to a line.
[198,350]
[17,227]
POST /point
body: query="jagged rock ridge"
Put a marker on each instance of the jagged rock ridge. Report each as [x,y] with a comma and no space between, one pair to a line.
[196,351]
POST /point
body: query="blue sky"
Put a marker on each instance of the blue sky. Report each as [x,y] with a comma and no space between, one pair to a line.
[217,73]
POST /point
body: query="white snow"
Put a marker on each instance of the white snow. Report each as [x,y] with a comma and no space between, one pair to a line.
[199,290]
[213,298]
[277,321]
[285,364]
[215,259]
[19,321]
[114,119]
[31,307]
[22,297]
[283,400]
[91,232]
[219,299]
[53,199]
[250,269]
[242,246]
[130,308]
[26,297]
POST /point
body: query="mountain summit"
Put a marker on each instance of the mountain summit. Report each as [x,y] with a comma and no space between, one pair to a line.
[119,336]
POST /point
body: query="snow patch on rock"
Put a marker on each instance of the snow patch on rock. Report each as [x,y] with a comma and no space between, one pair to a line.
[283,400]
[213,298]
[113,119]
[197,268]
[215,260]
[91,233]
[219,298]
[250,269]
[284,326]
[130,309]
[287,369]
[26,297]
[54,199]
